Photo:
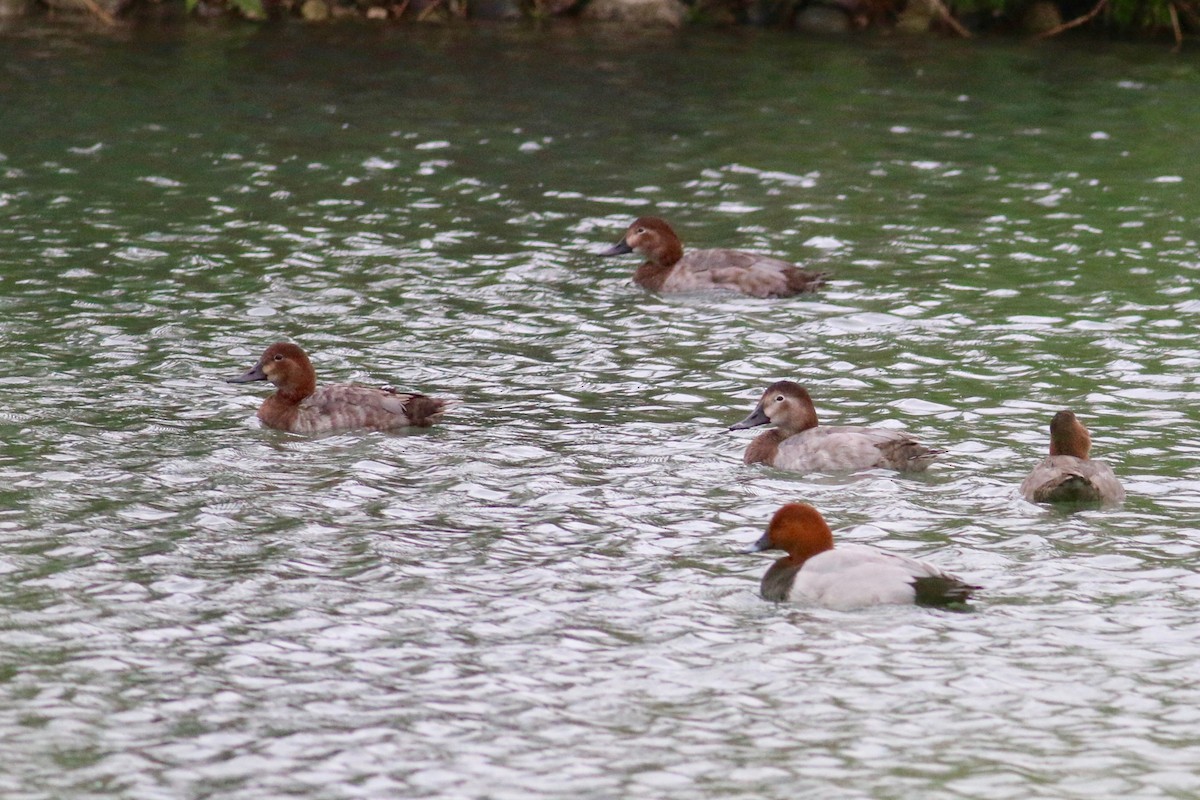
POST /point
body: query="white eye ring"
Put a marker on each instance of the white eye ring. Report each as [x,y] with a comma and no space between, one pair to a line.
[779,399]
[641,230]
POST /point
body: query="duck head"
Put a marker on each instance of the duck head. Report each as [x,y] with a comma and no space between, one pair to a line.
[787,405]
[287,367]
[653,238]
[1068,436]
[799,529]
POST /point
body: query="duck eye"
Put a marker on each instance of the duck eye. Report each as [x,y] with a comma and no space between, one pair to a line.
[279,356]
[779,398]
[641,230]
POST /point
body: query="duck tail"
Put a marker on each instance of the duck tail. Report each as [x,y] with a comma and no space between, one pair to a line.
[942,590]
[908,455]
[1071,489]
[424,411]
[804,280]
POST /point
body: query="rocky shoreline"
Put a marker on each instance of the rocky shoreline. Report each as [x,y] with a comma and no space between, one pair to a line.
[1034,18]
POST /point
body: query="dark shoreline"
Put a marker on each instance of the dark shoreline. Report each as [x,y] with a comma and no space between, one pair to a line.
[1163,21]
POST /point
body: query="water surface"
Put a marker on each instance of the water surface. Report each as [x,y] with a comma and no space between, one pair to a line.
[543,596]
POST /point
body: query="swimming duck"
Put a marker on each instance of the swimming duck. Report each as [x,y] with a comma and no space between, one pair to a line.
[1067,475]
[843,578]
[797,443]
[669,269]
[298,406]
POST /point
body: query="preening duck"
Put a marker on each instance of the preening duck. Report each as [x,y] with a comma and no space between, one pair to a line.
[1068,475]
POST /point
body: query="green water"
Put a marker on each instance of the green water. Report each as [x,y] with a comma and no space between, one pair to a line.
[543,597]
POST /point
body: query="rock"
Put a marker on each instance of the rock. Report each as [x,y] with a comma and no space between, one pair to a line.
[1041,16]
[314,10]
[822,19]
[669,13]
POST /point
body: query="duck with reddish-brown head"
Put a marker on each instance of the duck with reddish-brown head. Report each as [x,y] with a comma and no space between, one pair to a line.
[300,406]
[669,269]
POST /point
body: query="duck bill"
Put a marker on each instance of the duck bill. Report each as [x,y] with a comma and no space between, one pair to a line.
[757,417]
[763,543]
[618,249]
[255,373]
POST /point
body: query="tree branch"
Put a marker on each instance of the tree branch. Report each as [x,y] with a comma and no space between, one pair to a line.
[1075,23]
[940,7]
[98,12]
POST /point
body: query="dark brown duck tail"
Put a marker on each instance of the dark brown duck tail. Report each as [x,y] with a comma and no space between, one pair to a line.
[942,590]
[804,280]
[423,411]
[1071,489]
[908,455]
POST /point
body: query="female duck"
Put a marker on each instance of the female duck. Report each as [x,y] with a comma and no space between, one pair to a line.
[298,406]
[1067,475]
[798,444]
[854,576]
[668,269]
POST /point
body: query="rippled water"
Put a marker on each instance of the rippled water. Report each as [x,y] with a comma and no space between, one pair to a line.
[543,596]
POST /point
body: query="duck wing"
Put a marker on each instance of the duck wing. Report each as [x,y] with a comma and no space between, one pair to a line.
[749,273]
[344,406]
[848,448]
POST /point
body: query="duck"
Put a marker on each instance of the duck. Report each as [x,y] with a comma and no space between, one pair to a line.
[299,406]
[798,444]
[669,269]
[1067,475]
[814,572]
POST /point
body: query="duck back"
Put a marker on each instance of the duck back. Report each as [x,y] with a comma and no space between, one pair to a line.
[1067,479]
[755,275]
[853,576]
[851,448]
[346,406]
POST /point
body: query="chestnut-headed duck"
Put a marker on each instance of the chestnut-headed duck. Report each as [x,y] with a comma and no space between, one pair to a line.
[1067,475]
[797,443]
[852,576]
[669,269]
[298,406]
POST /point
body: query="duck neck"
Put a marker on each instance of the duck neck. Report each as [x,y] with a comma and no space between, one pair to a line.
[652,275]
[1070,443]
[669,253]
[295,391]
[804,419]
[809,548]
